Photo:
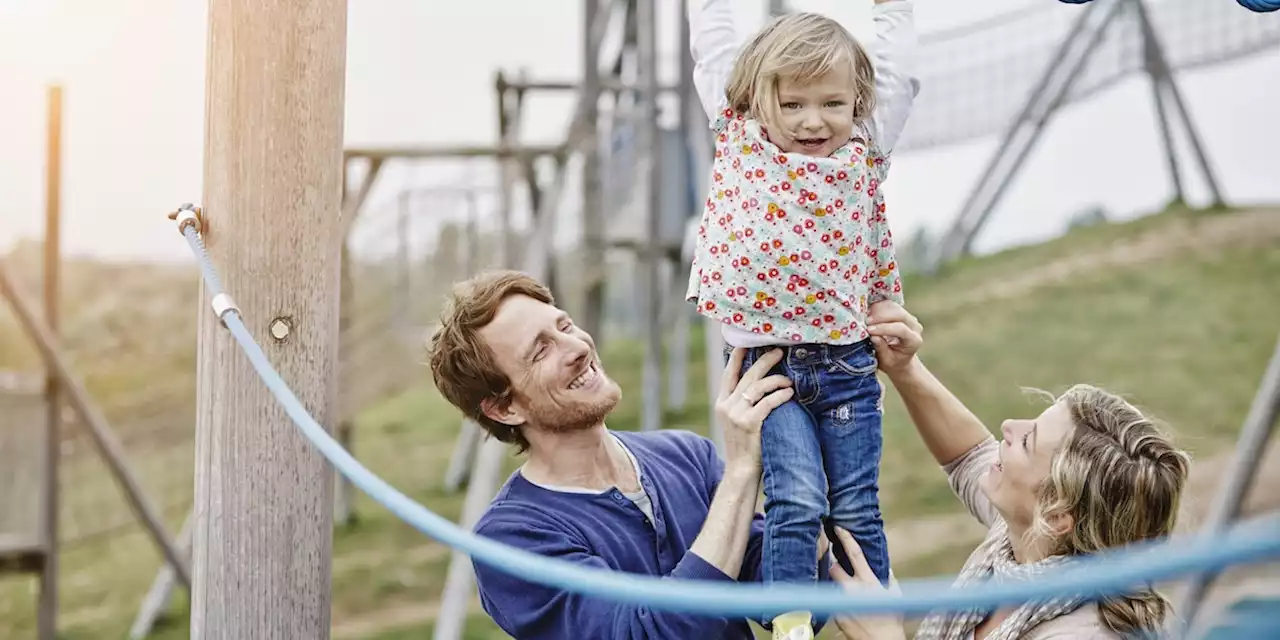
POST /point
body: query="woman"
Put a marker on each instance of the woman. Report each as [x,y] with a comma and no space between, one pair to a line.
[1089,473]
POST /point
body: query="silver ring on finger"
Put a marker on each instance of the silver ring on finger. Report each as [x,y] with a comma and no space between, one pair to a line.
[748,398]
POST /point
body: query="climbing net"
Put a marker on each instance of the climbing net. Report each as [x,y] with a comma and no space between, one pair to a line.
[1101,575]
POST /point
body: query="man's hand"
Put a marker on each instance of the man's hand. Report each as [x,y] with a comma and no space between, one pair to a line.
[743,405]
[896,334]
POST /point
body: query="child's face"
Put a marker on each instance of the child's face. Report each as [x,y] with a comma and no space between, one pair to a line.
[817,116]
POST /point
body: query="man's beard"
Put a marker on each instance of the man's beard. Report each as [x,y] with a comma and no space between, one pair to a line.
[558,419]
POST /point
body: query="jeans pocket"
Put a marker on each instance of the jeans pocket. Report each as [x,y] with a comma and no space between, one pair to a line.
[859,364]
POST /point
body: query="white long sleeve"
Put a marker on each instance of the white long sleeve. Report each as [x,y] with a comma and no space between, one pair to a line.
[715,42]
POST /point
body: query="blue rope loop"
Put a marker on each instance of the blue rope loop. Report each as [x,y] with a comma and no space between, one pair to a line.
[1257,6]
[1260,6]
[1104,574]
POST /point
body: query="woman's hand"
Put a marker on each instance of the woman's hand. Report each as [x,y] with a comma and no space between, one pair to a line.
[896,334]
[744,403]
[864,627]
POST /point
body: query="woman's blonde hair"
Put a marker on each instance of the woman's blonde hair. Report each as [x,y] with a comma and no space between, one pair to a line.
[802,47]
[1120,478]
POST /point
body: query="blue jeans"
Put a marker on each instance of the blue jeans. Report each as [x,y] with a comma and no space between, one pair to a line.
[821,455]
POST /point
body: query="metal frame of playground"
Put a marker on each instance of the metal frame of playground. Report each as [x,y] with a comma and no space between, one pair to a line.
[280,583]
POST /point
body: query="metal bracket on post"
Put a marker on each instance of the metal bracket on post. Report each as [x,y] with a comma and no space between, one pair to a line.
[186,216]
[222,305]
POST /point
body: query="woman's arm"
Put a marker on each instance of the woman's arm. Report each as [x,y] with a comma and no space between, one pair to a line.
[947,427]
[954,436]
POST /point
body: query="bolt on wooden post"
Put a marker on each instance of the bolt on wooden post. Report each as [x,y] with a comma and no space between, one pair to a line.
[272,192]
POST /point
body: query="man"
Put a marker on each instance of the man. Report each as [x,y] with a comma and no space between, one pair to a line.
[659,503]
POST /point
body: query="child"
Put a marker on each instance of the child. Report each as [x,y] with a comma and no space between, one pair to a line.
[793,249]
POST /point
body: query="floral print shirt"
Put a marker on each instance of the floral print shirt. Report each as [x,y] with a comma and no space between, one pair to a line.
[792,246]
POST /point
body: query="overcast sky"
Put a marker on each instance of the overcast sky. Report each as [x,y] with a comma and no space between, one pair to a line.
[421,71]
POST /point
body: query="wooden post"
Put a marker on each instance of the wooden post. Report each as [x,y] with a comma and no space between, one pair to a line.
[649,152]
[263,531]
[48,615]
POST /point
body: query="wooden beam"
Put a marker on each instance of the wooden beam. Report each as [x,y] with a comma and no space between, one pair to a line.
[263,532]
[424,152]
[161,591]
[351,204]
[103,437]
[47,622]
[609,84]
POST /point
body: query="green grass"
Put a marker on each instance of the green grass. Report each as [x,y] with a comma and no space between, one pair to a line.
[1186,336]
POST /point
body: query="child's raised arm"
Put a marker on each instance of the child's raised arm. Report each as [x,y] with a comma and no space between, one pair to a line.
[891,51]
[714,43]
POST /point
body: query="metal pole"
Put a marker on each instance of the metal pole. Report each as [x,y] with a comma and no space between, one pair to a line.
[1040,120]
[48,609]
[403,297]
[592,197]
[459,579]
[680,313]
[956,238]
[1193,135]
[649,153]
[697,136]
[263,533]
[1254,434]
[1151,54]
[471,238]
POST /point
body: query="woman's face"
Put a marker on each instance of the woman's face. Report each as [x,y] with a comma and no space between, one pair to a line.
[1026,453]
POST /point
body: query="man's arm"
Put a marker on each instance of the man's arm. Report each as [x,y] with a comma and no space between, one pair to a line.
[529,610]
[728,531]
[891,51]
[752,550]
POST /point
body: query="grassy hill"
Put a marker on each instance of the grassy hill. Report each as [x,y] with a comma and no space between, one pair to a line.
[1177,311]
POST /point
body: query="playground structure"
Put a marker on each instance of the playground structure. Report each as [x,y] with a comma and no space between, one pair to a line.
[630,105]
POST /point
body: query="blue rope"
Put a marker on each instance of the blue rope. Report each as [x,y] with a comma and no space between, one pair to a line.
[1257,6]
[1103,574]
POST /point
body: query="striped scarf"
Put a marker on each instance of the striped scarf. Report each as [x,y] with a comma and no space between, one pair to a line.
[993,560]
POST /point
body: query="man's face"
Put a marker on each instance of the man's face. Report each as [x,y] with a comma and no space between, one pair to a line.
[558,381]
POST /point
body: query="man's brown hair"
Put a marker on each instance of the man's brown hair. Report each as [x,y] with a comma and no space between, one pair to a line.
[463,367]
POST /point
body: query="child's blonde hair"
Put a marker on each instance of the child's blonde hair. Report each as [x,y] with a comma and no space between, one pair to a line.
[802,47]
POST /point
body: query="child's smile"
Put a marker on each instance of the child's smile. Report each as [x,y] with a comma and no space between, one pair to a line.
[817,114]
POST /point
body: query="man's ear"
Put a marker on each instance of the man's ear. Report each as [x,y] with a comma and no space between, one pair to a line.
[502,410]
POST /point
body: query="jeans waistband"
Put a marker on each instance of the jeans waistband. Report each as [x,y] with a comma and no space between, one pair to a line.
[807,353]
